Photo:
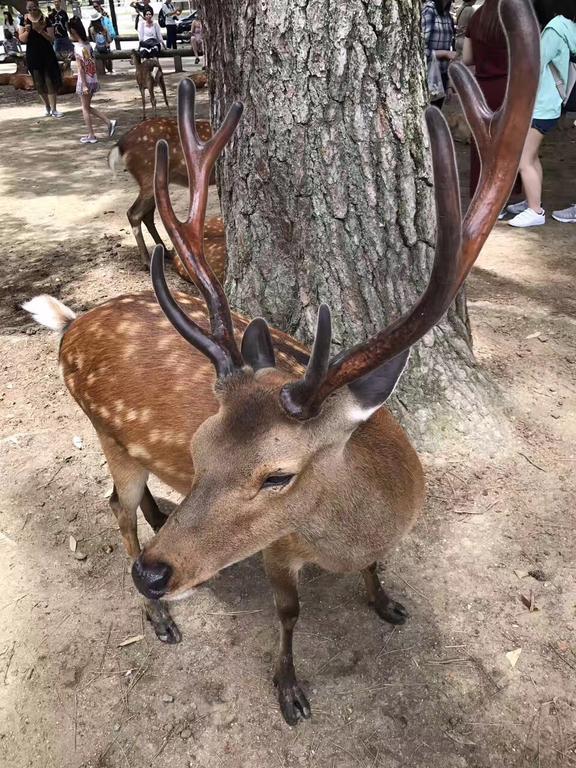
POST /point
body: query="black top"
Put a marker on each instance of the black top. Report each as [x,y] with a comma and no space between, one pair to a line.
[39,51]
[59,20]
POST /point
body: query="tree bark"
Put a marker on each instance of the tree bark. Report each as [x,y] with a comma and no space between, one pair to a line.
[326,189]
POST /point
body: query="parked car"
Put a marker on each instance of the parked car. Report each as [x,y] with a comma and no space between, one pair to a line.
[184,25]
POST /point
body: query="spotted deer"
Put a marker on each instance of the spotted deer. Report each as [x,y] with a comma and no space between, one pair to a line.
[135,152]
[149,74]
[275,449]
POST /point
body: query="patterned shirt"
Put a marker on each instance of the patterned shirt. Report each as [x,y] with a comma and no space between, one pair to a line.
[438,32]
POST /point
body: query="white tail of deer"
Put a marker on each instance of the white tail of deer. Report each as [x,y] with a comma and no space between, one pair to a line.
[300,462]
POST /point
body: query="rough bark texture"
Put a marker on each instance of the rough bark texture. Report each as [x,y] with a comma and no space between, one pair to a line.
[327,187]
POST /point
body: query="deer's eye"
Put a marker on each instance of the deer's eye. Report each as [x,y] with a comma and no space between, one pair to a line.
[276,482]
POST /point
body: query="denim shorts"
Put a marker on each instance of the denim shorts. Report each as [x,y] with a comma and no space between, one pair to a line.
[544,126]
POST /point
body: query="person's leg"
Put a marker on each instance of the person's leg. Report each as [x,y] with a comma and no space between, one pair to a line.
[531,170]
[40,85]
[100,115]
[86,112]
[171,35]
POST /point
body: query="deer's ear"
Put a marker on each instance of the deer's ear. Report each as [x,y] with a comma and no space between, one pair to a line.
[374,388]
[257,348]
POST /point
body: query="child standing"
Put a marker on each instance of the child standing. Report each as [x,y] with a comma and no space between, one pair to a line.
[87,83]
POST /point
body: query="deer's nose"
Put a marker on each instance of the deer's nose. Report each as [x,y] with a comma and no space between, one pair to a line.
[151,578]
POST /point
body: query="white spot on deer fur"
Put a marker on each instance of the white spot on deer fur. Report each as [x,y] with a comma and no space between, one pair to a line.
[132,415]
[138,451]
[146,415]
[104,412]
[119,406]
[91,378]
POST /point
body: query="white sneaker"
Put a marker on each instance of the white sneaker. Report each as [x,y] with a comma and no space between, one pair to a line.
[517,208]
[529,218]
[57,114]
[48,113]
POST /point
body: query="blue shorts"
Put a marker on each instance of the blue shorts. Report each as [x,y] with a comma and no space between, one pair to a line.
[544,126]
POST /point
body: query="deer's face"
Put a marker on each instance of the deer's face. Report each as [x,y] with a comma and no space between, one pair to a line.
[257,474]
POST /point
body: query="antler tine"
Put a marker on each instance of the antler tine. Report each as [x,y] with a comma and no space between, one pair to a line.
[500,139]
[192,332]
[188,236]
[361,358]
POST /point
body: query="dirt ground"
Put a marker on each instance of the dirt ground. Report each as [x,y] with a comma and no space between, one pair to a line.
[474,679]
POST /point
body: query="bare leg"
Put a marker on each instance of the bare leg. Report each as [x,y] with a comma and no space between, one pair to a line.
[293,703]
[86,99]
[45,101]
[385,607]
[531,170]
[100,115]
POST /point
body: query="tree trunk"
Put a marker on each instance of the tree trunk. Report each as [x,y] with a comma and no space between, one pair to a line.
[327,188]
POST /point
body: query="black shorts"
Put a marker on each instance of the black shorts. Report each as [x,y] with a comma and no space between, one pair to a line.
[544,126]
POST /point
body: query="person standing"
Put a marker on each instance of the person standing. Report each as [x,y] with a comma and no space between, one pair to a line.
[9,23]
[59,19]
[171,16]
[100,37]
[87,84]
[140,7]
[557,45]
[462,21]
[485,49]
[438,33]
[37,33]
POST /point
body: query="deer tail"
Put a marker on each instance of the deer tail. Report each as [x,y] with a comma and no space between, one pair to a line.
[115,159]
[50,312]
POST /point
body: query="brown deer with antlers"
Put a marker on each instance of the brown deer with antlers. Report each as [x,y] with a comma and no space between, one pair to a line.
[135,153]
[303,464]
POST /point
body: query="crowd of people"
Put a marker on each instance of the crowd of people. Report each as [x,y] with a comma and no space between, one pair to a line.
[475,34]
[55,36]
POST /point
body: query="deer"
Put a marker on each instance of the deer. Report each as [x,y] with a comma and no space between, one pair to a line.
[135,153]
[276,448]
[147,79]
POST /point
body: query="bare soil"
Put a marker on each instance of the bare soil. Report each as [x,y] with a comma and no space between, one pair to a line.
[497,538]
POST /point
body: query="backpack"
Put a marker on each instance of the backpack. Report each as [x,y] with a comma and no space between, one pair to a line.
[101,42]
[162,18]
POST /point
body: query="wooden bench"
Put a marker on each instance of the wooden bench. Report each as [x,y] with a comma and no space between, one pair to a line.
[166,53]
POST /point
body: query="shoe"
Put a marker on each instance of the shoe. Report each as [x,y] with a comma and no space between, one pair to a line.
[112,127]
[528,218]
[502,214]
[196,60]
[57,114]
[88,140]
[517,208]
[566,216]
[48,113]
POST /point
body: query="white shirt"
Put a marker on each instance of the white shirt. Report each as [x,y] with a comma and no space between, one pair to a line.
[169,10]
[152,32]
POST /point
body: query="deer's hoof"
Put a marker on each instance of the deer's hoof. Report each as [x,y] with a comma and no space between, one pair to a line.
[293,703]
[391,611]
[164,626]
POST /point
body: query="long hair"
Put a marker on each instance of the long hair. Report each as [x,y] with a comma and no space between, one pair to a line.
[9,18]
[546,10]
[442,7]
[76,25]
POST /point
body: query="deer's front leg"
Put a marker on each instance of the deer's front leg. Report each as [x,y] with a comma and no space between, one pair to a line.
[385,607]
[293,703]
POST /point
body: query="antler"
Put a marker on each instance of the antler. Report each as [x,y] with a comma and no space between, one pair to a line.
[500,138]
[188,236]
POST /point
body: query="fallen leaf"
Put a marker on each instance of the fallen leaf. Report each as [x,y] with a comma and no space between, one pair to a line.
[131,640]
[73,544]
[521,574]
[513,656]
